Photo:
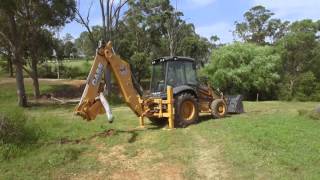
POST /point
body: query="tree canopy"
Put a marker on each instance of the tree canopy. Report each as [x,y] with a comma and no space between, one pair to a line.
[259,26]
[148,30]
[300,59]
[244,68]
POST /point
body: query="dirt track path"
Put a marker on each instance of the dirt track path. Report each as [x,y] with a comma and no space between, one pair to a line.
[209,163]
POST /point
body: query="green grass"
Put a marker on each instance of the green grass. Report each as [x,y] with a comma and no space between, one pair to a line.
[270,141]
[280,145]
[79,63]
[3,64]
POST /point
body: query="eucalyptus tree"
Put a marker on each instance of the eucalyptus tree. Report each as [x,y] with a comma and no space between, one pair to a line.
[259,26]
[22,23]
[299,51]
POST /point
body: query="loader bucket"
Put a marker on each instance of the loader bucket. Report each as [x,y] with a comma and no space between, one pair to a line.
[234,104]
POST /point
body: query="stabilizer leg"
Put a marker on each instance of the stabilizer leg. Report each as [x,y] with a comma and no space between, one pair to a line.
[170,107]
[141,120]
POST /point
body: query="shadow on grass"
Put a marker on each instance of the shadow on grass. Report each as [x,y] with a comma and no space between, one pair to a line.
[134,132]
[203,118]
[103,134]
[209,117]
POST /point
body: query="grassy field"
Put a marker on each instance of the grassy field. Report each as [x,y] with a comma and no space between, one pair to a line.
[270,141]
[73,62]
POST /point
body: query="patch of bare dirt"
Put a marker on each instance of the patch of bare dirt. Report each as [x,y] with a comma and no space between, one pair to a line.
[133,167]
[125,175]
[167,171]
[89,176]
[138,166]
[4,80]
[162,171]
[116,156]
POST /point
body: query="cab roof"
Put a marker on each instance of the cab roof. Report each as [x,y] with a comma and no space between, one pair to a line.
[172,58]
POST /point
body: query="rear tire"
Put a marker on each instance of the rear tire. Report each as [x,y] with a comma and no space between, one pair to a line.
[186,110]
[218,108]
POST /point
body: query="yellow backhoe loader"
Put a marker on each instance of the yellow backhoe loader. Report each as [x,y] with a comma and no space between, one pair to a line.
[175,94]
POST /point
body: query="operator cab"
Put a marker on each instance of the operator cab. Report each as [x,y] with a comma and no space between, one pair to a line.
[172,71]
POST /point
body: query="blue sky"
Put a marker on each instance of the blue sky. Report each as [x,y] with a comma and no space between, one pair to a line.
[215,17]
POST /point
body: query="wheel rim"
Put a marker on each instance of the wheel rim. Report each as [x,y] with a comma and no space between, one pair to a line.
[221,109]
[187,110]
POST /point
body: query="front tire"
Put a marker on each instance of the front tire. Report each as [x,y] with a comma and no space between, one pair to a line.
[186,110]
[218,108]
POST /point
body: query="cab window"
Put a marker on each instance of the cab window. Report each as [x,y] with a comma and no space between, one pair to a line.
[181,73]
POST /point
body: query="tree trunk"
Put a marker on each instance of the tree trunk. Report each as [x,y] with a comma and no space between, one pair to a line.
[10,67]
[35,79]
[22,98]
[58,69]
[104,35]
[171,48]
[17,59]
[291,88]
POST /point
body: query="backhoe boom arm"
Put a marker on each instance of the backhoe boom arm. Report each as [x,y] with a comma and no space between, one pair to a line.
[91,103]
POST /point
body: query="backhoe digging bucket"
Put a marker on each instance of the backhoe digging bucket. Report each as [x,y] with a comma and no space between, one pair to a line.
[234,104]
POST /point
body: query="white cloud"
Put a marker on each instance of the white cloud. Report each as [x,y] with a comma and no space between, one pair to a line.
[222,29]
[292,9]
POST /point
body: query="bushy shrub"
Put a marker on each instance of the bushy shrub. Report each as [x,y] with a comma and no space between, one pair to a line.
[16,133]
[69,72]
[304,88]
[313,114]
[115,99]
[244,68]
[46,71]
[139,65]
[308,88]
[86,66]
[14,128]
[50,71]
[3,65]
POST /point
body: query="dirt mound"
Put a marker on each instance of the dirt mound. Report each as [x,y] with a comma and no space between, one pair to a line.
[70,91]
[67,91]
